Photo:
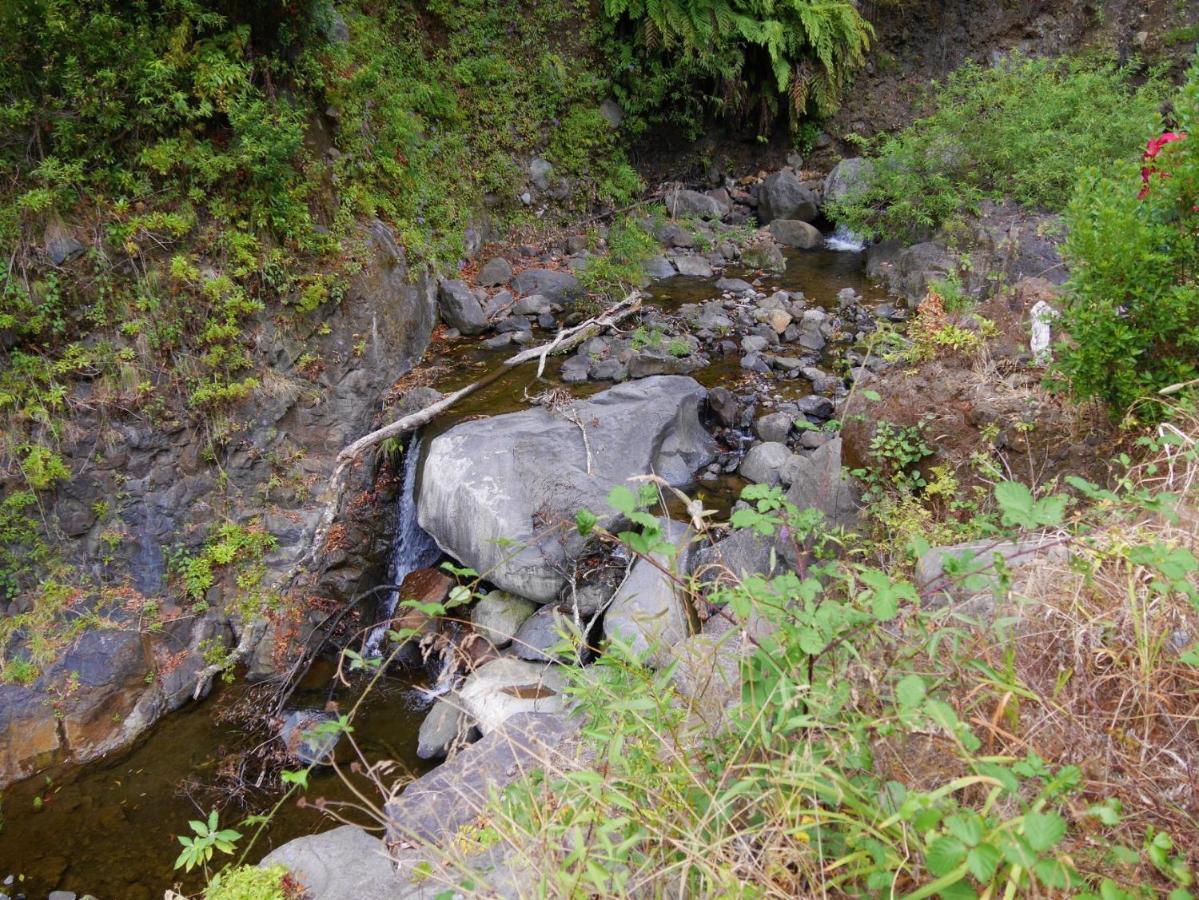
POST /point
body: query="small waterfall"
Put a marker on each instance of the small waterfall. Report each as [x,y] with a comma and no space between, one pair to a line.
[845,240]
[413,548]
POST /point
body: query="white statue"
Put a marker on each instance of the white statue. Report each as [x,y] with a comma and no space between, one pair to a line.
[1042,315]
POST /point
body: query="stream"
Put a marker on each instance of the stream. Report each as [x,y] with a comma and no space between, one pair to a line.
[109,828]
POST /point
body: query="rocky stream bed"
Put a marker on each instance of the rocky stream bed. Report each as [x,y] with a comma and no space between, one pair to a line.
[743,338]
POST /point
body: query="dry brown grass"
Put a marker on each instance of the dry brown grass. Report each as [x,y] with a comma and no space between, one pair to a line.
[1090,672]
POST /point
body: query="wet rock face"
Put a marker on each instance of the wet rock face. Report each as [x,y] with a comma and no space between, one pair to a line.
[513,479]
[154,487]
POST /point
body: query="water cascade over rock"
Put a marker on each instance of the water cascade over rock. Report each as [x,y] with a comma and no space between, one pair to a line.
[412,549]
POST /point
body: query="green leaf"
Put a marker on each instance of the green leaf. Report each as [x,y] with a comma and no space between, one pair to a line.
[1016,502]
[983,862]
[1015,850]
[872,395]
[944,855]
[1052,873]
[966,827]
[621,499]
[299,778]
[910,691]
[585,521]
[1044,830]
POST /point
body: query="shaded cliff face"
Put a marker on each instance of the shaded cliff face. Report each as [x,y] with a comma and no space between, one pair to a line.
[149,489]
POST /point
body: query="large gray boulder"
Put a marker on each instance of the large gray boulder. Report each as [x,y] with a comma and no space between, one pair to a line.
[848,178]
[346,864]
[693,203]
[437,804]
[794,233]
[765,462]
[817,481]
[783,196]
[498,616]
[968,575]
[558,287]
[495,271]
[649,609]
[504,687]
[495,492]
[460,308]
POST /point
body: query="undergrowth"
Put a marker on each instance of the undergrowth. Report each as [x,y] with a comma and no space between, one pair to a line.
[1023,129]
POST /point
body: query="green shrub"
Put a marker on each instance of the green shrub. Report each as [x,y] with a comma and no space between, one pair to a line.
[612,274]
[1022,130]
[1132,309]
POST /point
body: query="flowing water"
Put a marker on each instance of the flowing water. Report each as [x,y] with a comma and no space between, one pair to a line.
[412,548]
[109,827]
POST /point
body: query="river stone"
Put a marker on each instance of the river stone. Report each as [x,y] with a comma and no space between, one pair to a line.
[672,234]
[817,481]
[741,554]
[774,427]
[609,370]
[660,362]
[302,739]
[693,203]
[555,286]
[540,632]
[499,615]
[61,245]
[500,689]
[765,255]
[440,728]
[795,233]
[575,369]
[778,319]
[764,463]
[816,406]
[460,308]
[695,266]
[707,675]
[725,406]
[975,583]
[611,112]
[783,196]
[734,286]
[509,478]
[648,610]
[532,305]
[754,343]
[345,864]
[658,267]
[495,272]
[540,171]
[436,805]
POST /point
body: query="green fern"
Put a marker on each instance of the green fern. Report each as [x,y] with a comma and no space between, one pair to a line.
[795,54]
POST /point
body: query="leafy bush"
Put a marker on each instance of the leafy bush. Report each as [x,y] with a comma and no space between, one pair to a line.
[1024,129]
[752,60]
[613,274]
[1132,310]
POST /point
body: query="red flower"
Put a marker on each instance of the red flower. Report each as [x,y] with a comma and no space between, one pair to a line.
[1152,149]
